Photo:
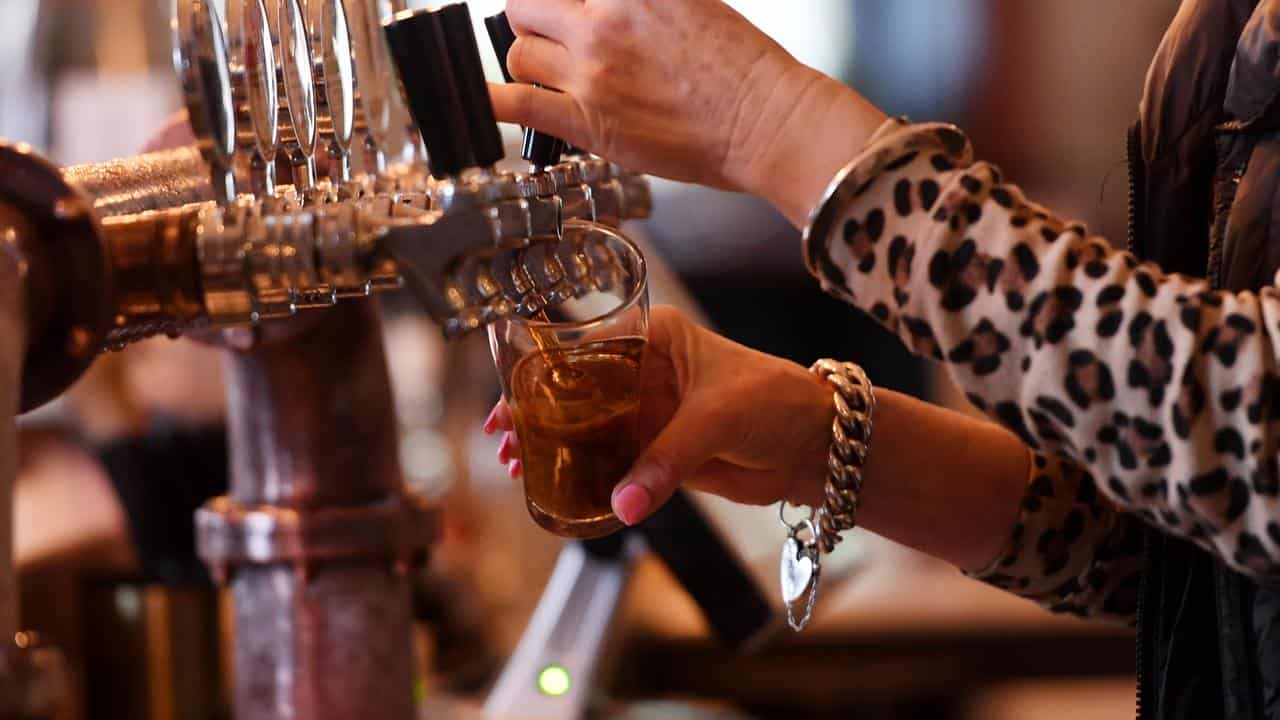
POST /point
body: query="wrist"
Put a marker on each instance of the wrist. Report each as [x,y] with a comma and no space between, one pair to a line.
[817,129]
[811,470]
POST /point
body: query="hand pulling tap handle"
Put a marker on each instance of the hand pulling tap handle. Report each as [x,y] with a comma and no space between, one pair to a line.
[539,148]
[468,70]
[421,57]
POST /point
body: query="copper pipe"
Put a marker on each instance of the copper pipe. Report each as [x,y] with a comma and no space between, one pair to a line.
[323,619]
[117,234]
[155,274]
[155,181]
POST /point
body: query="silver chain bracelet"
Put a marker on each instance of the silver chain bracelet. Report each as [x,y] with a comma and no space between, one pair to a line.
[801,566]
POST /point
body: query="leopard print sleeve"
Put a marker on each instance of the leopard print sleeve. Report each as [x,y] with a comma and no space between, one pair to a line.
[1070,550]
[1165,391]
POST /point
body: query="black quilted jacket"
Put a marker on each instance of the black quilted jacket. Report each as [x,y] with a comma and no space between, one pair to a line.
[1205,177]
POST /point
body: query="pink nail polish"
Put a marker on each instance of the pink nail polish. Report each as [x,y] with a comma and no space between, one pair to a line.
[631,503]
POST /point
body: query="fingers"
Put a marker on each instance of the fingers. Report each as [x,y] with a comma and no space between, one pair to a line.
[546,110]
[556,19]
[509,450]
[499,419]
[509,454]
[535,59]
[684,445]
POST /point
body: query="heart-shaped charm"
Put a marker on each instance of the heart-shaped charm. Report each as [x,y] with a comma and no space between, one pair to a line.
[797,570]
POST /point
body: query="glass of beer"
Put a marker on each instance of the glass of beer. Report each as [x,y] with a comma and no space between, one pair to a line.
[571,375]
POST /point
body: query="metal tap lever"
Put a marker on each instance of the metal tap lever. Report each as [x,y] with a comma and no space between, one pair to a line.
[201,60]
[331,46]
[539,149]
[255,91]
[376,107]
[299,128]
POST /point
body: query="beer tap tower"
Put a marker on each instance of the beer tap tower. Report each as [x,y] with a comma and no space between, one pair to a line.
[318,532]
[302,199]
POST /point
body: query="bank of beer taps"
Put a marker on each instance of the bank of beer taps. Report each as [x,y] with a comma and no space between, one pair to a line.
[312,86]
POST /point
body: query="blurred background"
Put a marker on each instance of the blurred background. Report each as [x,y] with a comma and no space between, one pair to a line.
[112,472]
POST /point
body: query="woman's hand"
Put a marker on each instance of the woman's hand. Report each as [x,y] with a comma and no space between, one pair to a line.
[685,89]
[723,418]
[755,429]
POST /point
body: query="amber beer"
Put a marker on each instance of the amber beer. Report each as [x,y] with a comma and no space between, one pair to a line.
[576,413]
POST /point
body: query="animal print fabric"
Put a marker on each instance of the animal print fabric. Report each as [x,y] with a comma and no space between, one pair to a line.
[1145,396]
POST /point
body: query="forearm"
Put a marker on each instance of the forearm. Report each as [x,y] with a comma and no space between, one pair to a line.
[944,483]
[970,493]
[825,124]
[1160,386]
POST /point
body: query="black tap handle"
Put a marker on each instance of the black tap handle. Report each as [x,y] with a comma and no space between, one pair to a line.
[468,72]
[539,149]
[427,80]
[502,37]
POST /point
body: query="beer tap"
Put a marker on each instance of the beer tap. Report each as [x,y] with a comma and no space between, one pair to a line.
[538,149]
[335,85]
[374,85]
[476,249]
[381,117]
[597,200]
[591,188]
[255,91]
[473,243]
[200,57]
[416,146]
[442,81]
[296,115]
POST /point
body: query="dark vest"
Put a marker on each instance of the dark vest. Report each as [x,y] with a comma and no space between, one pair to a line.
[1205,201]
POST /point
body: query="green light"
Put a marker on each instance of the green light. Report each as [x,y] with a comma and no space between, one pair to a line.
[553,681]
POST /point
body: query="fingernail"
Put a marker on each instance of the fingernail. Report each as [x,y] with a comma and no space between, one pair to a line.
[504,450]
[515,469]
[631,503]
[491,420]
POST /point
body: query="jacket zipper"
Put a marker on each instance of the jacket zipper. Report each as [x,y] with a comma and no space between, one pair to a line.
[1142,703]
[1137,181]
